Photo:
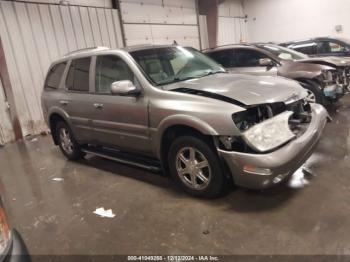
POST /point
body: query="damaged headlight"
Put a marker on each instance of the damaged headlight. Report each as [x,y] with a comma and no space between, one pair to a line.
[270,133]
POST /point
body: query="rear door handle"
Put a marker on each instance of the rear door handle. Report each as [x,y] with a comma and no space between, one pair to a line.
[63,102]
[98,105]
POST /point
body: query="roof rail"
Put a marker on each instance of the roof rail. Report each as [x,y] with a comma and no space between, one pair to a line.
[211,48]
[87,49]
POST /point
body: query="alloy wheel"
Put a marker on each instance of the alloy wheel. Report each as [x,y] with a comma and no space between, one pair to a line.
[66,141]
[193,168]
[311,97]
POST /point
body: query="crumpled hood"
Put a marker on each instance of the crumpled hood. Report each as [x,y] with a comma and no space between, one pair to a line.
[330,60]
[248,90]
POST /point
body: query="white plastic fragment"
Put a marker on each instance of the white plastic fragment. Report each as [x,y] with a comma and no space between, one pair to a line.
[298,179]
[104,213]
[58,179]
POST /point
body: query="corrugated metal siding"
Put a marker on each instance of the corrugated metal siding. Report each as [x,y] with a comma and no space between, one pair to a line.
[34,35]
[6,131]
[160,22]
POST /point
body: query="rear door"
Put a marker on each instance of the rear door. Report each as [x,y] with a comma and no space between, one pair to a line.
[120,121]
[77,99]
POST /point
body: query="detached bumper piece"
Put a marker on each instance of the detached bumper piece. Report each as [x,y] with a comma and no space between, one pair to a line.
[259,171]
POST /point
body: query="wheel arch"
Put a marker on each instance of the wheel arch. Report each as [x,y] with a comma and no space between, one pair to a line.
[54,118]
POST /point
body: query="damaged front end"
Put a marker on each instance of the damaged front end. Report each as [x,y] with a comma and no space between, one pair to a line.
[267,127]
[335,82]
[275,140]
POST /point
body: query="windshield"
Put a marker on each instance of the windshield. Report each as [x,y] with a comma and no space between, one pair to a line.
[173,64]
[283,52]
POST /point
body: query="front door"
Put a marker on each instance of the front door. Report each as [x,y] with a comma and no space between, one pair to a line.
[247,61]
[120,121]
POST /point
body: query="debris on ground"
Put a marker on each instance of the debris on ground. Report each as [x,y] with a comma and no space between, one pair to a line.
[104,213]
[206,232]
[298,179]
[45,132]
[58,179]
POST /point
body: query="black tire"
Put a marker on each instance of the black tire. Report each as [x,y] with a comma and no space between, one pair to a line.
[74,153]
[217,182]
[315,89]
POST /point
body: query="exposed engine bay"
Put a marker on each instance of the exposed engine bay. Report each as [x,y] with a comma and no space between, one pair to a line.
[268,126]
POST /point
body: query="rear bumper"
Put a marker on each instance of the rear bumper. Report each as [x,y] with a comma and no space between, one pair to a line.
[282,162]
[18,251]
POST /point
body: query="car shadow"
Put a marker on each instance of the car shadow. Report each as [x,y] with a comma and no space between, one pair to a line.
[236,199]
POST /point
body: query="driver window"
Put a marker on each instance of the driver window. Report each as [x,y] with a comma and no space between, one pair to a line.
[109,69]
[248,58]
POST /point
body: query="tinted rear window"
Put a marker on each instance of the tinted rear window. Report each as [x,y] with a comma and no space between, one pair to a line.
[54,76]
[224,57]
[78,75]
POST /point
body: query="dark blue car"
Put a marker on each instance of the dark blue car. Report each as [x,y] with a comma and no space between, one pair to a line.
[321,46]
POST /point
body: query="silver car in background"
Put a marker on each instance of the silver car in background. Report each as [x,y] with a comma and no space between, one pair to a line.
[174,108]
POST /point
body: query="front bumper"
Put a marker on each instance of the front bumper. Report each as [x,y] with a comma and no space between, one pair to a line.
[282,162]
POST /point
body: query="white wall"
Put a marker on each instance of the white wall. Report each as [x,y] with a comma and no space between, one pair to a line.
[283,20]
[160,22]
[33,35]
[231,26]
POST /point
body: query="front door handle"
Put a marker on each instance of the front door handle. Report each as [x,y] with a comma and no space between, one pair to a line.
[63,102]
[98,105]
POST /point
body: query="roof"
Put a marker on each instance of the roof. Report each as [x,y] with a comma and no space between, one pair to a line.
[223,47]
[310,39]
[102,49]
[143,47]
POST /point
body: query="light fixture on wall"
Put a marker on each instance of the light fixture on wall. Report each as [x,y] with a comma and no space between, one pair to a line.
[339,29]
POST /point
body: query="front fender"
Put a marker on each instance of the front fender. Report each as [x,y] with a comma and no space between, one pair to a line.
[176,120]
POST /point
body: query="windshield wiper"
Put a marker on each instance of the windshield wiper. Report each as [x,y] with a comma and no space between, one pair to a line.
[213,73]
[179,79]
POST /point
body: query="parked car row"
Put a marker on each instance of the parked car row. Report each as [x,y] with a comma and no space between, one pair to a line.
[325,79]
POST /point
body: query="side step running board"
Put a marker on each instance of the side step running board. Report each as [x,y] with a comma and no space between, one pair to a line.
[118,157]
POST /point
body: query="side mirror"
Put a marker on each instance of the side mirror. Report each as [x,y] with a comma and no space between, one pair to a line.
[265,62]
[124,88]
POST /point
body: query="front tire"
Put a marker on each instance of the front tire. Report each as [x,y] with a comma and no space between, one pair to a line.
[315,93]
[195,167]
[67,143]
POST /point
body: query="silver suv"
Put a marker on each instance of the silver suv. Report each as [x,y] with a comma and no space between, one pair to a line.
[175,109]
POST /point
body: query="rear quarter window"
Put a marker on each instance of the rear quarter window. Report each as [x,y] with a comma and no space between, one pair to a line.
[54,76]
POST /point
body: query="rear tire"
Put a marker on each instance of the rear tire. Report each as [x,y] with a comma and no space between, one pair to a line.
[67,143]
[196,168]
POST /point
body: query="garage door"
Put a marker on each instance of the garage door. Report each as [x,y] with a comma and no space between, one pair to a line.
[160,22]
[34,35]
